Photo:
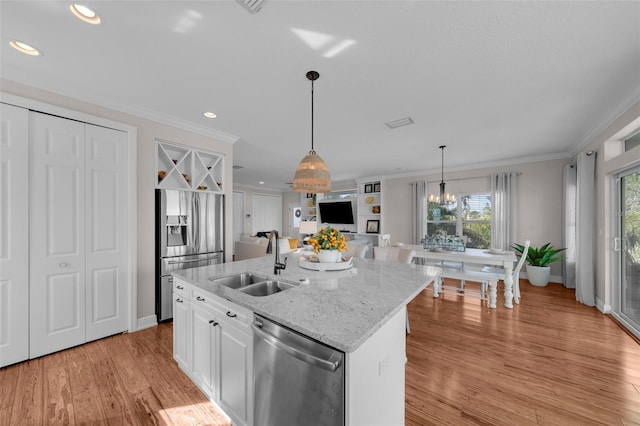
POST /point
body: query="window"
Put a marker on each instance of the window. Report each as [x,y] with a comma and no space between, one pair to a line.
[632,142]
[469,216]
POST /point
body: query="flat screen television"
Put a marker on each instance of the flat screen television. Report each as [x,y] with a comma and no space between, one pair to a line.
[337,212]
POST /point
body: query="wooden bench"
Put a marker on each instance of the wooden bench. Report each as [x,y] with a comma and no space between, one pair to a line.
[488,282]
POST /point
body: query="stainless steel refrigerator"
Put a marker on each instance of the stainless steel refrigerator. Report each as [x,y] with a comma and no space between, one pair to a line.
[189,233]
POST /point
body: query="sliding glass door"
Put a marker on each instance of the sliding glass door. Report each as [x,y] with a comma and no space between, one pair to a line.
[627,305]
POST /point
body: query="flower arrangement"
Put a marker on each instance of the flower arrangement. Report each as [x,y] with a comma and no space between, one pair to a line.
[328,238]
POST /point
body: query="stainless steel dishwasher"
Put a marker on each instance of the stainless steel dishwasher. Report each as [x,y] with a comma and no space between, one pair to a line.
[297,380]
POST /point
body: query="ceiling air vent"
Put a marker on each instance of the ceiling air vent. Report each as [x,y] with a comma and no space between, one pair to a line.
[399,123]
[253,6]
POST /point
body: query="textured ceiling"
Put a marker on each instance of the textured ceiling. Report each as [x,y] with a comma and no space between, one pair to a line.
[497,82]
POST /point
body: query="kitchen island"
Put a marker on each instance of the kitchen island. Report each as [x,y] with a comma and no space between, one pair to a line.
[360,311]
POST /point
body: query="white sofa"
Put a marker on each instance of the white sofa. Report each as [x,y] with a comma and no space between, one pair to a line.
[249,247]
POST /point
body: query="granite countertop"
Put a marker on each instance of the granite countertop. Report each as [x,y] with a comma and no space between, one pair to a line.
[339,308]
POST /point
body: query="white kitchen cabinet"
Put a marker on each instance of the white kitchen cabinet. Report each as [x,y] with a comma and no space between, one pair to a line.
[213,345]
[78,236]
[181,327]
[181,167]
[236,372]
[204,343]
[14,231]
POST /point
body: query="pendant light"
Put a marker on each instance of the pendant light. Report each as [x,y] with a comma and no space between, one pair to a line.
[312,175]
[444,198]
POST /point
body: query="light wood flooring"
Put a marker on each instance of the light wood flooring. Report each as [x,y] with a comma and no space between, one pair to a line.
[548,361]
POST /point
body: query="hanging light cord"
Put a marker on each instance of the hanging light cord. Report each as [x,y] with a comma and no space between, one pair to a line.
[311,115]
[442,168]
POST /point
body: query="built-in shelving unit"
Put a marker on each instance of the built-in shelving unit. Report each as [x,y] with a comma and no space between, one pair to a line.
[310,206]
[370,207]
[181,167]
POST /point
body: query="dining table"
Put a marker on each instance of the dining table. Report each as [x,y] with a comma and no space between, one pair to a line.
[505,259]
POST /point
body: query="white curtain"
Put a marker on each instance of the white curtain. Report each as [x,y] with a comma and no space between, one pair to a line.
[504,217]
[585,228]
[419,196]
[570,195]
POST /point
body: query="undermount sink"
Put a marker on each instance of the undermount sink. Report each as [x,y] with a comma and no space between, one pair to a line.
[239,280]
[266,288]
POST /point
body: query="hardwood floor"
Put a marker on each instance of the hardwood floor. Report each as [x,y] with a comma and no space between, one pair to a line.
[548,361]
[128,379]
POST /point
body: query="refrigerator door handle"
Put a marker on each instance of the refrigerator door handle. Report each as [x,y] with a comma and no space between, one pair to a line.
[175,262]
[197,219]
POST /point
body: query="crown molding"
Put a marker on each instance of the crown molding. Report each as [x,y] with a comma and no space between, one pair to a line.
[607,121]
[176,122]
[501,163]
[139,112]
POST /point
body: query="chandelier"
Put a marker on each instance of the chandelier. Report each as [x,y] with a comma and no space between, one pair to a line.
[443,198]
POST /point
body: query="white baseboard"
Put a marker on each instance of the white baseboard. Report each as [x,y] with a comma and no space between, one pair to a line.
[602,307]
[147,322]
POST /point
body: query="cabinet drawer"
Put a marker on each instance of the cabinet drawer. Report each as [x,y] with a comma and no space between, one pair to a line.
[224,309]
[180,288]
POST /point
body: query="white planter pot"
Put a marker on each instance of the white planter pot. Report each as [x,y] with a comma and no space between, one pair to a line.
[538,275]
[328,256]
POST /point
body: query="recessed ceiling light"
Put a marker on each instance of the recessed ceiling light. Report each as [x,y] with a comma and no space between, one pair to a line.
[24,48]
[210,114]
[261,183]
[84,13]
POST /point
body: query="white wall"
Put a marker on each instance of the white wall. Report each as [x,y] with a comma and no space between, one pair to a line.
[148,131]
[539,202]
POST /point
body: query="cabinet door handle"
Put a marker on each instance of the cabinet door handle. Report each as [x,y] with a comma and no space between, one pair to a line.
[230,315]
[213,323]
[179,287]
[201,299]
[179,300]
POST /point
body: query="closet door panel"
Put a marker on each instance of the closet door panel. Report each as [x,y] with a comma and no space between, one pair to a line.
[14,231]
[106,237]
[56,238]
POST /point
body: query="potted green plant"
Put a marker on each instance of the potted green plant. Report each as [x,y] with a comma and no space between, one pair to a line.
[538,261]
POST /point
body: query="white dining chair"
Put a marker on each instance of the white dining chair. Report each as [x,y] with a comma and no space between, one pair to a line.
[394,254]
[500,272]
[355,250]
[398,255]
[384,240]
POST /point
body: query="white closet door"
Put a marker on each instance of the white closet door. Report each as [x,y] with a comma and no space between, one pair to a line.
[267,213]
[57,241]
[106,231]
[14,231]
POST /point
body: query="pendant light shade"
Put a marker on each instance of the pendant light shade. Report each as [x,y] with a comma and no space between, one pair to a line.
[312,174]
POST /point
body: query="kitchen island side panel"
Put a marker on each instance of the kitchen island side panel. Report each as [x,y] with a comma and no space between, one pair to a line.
[374,386]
